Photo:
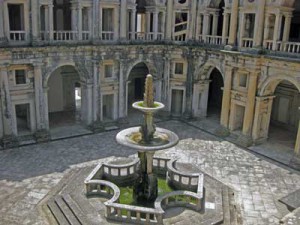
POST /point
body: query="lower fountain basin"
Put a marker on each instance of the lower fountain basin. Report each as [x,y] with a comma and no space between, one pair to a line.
[132,138]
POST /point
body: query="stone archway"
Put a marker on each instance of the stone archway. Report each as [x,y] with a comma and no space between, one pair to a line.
[136,81]
[64,96]
[277,113]
[215,95]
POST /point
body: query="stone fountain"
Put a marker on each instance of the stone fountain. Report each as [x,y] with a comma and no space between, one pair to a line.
[146,202]
[147,139]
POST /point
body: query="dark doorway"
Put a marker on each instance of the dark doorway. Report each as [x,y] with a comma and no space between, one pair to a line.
[215,93]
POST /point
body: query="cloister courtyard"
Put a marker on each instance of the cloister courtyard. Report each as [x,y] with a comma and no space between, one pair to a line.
[31,173]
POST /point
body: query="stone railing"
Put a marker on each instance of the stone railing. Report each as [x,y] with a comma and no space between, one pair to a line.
[247,42]
[107,35]
[85,35]
[291,47]
[19,35]
[64,35]
[120,170]
[160,165]
[180,199]
[213,40]
[145,36]
[184,181]
[95,186]
[133,214]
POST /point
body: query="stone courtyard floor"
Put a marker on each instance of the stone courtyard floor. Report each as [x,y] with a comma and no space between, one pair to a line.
[29,173]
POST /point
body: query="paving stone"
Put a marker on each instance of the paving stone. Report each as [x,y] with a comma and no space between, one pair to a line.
[30,172]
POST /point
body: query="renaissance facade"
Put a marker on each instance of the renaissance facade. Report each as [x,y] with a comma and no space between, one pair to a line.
[237,59]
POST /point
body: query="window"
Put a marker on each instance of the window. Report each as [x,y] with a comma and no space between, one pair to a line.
[16,17]
[243,80]
[108,71]
[178,68]
[20,76]
[107,19]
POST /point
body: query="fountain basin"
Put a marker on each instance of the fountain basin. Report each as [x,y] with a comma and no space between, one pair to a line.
[139,106]
[132,138]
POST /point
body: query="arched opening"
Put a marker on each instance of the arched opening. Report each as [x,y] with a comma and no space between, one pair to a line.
[295,24]
[64,97]
[284,120]
[215,95]
[136,83]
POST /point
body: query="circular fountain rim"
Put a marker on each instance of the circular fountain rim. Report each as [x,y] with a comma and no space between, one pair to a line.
[148,109]
[122,138]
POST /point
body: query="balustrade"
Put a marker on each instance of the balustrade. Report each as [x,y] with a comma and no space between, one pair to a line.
[247,42]
[19,35]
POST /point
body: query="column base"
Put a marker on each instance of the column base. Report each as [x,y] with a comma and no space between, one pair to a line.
[244,141]
[42,136]
[3,41]
[295,162]
[9,141]
[222,132]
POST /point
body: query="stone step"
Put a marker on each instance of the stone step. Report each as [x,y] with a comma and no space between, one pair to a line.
[57,213]
[75,208]
[226,210]
[71,218]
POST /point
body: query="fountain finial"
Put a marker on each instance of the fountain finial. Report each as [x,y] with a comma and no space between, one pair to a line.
[148,95]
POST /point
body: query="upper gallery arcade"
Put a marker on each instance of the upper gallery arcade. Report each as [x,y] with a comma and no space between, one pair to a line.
[233,59]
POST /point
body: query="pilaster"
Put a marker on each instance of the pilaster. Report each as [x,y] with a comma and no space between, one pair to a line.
[287,28]
[276,30]
[96,90]
[226,97]
[189,86]
[50,8]
[169,20]
[133,23]
[9,137]
[233,23]
[249,109]
[123,19]
[259,24]
[34,21]
[155,24]
[2,35]
[225,28]
[122,90]
[79,20]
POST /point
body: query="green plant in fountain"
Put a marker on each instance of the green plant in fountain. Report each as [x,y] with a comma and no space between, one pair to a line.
[148,128]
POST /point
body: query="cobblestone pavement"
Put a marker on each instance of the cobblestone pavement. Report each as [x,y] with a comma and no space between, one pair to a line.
[28,173]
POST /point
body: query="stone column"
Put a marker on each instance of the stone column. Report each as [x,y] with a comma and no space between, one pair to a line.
[50,6]
[79,21]
[198,26]
[249,109]
[2,35]
[95,90]
[122,90]
[226,97]
[116,23]
[8,121]
[133,23]
[192,20]
[297,146]
[276,30]
[87,107]
[206,26]
[96,10]
[189,86]
[267,27]
[123,20]
[233,23]
[148,19]
[287,28]
[47,26]
[100,20]
[34,21]
[169,25]
[259,24]
[215,24]
[163,28]
[242,28]
[155,24]
[225,28]
[166,78]
[262,116]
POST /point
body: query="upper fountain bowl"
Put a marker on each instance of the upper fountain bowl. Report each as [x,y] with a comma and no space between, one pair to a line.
[140,106]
